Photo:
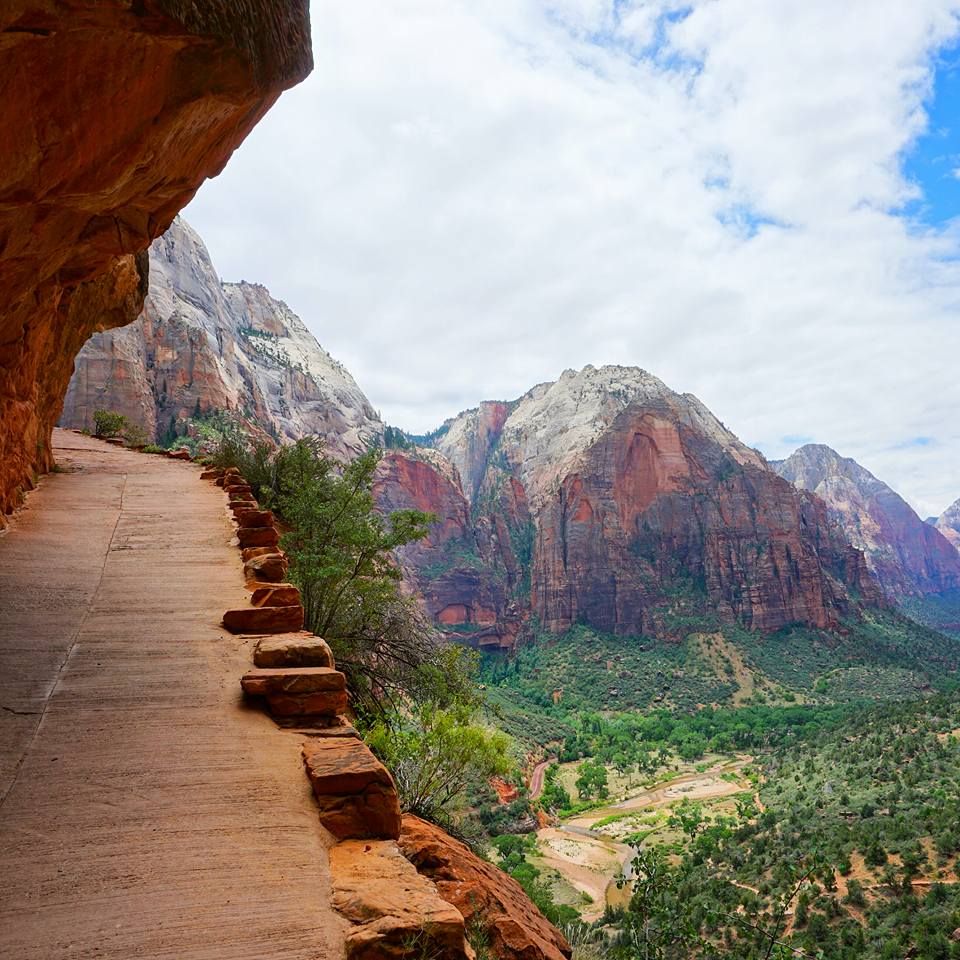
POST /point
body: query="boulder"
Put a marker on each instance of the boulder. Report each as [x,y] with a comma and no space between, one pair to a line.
[268,567]
[515,928]
[355,792]
[258,536]
[211,474]
[231,472]
[264,619]
[394,913]
[300,649]
[182,454]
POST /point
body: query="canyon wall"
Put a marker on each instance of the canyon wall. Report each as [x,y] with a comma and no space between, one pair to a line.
[608,499]
[906,555]
[201,343]
[948,523]
[113,115]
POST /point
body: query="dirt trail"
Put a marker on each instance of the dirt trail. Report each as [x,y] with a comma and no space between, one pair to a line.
[591,862]
[144,811]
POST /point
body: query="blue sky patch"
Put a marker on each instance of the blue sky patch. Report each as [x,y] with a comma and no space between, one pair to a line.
[933,161]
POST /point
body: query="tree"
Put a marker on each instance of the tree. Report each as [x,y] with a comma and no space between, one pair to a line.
[592,780]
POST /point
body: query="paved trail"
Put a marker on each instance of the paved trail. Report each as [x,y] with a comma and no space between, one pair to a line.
[144,811]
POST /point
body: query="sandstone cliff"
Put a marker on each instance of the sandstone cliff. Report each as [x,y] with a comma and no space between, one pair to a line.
[222,346]
[112,115]
[948,524]
[905,554]
[602,498]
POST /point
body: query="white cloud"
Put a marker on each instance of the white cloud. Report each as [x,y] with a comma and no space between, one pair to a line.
[464,199]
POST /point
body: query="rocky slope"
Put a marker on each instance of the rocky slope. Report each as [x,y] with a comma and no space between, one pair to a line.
[609,499]
[113,115]
[948,523]
[905,554]
[222,346]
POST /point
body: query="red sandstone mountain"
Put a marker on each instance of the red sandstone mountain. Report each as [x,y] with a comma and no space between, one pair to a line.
[948,523]
[604,497]
[905,554]
[226,346]
[596,498]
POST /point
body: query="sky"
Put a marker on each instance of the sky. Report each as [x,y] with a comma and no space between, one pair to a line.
[756,200]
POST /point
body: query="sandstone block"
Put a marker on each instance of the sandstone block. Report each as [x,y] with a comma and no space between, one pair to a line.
[248,553]
[339,726]
[269,567]
[275,595]
[254,518]
[264,619]
[211,474]
[292,680]
[394,912]
[301,649]
[303,694]
[354,790]
[231,472]
[258,536]
[308,709]
[183,454]
[515,928]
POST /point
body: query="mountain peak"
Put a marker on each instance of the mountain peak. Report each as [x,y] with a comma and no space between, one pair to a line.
[904,553]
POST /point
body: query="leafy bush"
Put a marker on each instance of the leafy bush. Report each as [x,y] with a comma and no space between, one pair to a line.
[341,552]
[434,753]
[107,423]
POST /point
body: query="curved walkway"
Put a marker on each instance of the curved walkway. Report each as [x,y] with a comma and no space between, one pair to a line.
[144,811]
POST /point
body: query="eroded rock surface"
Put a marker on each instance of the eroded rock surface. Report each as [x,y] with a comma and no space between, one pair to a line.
[596,499]
[222,346]
[949,524]
[112,116]
[395,914]
[355,792]
[514,927]
[905,554]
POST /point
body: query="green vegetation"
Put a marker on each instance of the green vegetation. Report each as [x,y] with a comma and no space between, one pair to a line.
[512,854]
[877,656]
[853,856]
[395,439]
[413,693]
[107,423]
[939,611]
[432,752]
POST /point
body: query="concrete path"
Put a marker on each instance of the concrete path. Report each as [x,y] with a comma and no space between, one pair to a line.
[144,811]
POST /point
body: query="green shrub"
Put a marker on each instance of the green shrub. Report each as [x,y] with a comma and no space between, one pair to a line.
[434,753]
[107,423]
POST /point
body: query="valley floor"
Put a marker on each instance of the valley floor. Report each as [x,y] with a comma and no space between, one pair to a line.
[144,811]
[588,850]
